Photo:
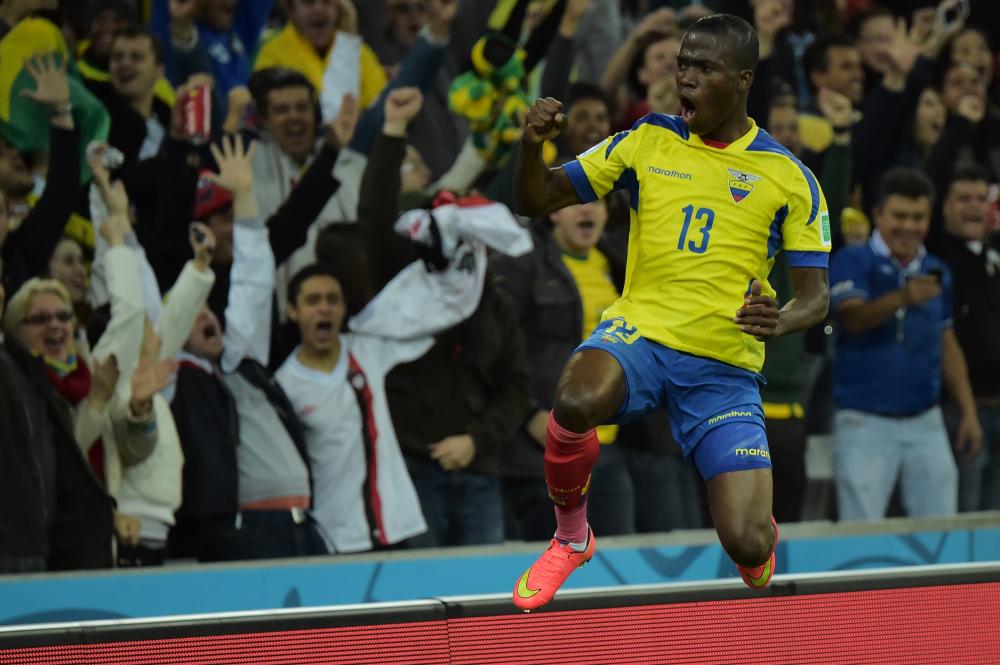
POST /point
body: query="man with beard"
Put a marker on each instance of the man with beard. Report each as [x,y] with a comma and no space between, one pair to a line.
[713,199]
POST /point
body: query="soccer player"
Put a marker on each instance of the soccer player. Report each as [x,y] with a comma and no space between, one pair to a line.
[713,198]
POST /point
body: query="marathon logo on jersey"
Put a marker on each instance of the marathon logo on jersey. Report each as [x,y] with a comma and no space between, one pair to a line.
[753,452]
[741,184]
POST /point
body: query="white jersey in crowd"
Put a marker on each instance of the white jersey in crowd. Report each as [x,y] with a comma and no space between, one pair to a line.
[362,492]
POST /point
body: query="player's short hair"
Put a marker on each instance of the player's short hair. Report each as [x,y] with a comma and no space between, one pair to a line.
[907,182]
[817,58]
[582,90]
[310,271]
[741,39]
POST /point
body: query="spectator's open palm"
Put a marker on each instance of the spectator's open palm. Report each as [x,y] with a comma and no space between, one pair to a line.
[104,378]
[150,378]
[235,164]
[52,86]
[340,130]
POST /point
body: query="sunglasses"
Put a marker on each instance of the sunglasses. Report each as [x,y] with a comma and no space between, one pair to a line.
[45,318]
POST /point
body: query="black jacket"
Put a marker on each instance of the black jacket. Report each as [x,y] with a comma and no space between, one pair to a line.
[976,306]
[79,533]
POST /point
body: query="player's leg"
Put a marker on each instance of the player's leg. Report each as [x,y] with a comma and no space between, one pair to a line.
[612,374]
[717,418]
[590,391]
[735,461]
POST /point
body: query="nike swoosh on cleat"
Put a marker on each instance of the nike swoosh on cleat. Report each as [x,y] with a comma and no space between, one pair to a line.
[764,576]
[523,591]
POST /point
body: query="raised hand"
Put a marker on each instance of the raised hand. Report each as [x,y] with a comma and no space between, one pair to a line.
[401,106]
[440,14]
[575,11]
[972,108]
[51,84]
[759,315]
[182,16]
[235,165]
[340,130]
[104,378]
[769,18]
[347,17]
[150,378]
[663,19]
[941,33]
[835,107]
[544,120]
[901,53]
[116,226]
[113,195]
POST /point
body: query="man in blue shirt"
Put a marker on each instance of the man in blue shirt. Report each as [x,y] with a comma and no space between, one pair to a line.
[893,303]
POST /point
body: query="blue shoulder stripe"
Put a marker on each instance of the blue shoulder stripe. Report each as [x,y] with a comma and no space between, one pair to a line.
[764,142]
[671,122]
[581,183]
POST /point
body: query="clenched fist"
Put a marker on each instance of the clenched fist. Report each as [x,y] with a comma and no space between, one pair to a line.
[544,120]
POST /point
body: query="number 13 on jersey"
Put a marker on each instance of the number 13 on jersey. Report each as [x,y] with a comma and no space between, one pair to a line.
[704,216]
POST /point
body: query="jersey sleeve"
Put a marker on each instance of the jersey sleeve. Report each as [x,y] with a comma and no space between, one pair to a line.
[595,172]
[806,235]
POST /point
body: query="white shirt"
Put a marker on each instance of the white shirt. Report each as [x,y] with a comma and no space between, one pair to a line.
[342,465]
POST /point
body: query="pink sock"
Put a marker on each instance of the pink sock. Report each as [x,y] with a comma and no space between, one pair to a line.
[571,524]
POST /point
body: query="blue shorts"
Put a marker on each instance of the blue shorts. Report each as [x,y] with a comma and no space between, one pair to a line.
[701,395]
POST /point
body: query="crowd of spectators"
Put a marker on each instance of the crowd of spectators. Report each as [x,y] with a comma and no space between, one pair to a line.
[262,294]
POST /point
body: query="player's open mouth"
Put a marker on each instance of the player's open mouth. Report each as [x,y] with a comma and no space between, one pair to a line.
[586,226]
[688,110]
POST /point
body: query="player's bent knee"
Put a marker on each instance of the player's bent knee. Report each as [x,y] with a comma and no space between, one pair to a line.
[747,544]
[577,407]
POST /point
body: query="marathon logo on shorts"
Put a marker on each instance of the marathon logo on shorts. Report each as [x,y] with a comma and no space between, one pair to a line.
[741,184]
[731,414]
[752,452]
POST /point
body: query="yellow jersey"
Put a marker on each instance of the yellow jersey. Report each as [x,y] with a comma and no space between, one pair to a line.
[706,222]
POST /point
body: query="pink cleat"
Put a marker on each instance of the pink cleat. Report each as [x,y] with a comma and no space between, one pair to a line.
[540,582]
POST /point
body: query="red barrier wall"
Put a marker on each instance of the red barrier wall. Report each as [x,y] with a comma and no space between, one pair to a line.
[955,624]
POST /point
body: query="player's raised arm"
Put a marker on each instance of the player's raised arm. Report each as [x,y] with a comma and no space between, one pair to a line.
[538,190]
